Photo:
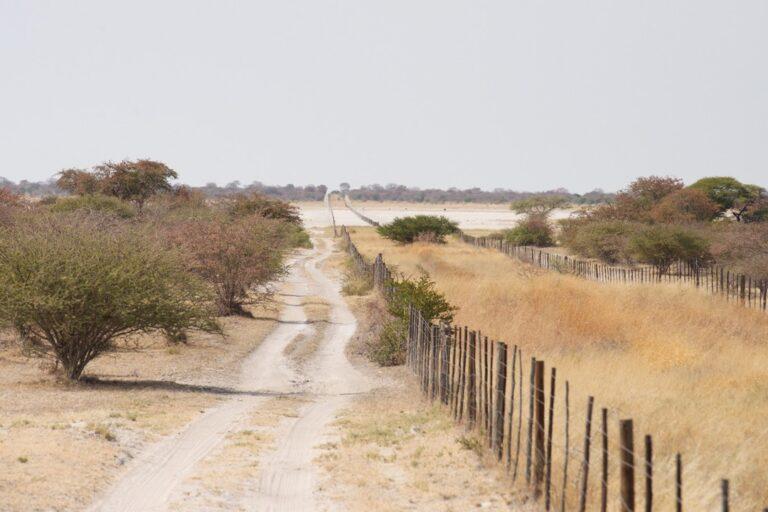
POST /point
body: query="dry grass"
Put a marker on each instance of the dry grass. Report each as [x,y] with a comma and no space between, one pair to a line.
[74,438]
[689,368]
[399,452]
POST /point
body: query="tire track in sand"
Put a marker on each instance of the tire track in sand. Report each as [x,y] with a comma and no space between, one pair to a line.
[287,478]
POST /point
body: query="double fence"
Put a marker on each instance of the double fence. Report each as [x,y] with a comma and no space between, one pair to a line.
[732,286]
[483,384]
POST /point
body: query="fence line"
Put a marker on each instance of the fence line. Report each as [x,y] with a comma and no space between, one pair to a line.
[481,383]
[365,219]
[327,200]
[717,280]
[742,289]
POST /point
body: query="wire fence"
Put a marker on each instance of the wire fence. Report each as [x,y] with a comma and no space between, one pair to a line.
[365,219]
[482,382]
[734,287]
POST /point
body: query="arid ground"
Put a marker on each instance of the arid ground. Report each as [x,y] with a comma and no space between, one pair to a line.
[280,413]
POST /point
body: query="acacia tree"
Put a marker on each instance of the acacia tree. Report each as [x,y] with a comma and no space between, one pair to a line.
[237,256]
[540,205]
[636,201]
[661,246]
[731,195]
[78,181]
[135,181]
[242,205]
[76,283]
[684,206]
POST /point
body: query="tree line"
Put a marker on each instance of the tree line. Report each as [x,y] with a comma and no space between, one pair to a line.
[659,220]
[375,192]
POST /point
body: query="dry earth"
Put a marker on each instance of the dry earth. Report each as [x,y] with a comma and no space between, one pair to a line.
[60,443]
[281,414]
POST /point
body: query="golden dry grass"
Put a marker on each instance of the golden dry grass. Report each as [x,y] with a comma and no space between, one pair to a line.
[690,369]
[394,450]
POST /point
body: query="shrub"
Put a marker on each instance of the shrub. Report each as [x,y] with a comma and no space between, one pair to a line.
[407,229]
[237,256]
[636,201]
[661,246]
[604,240]
[296,236]
[421,293]
[356,282]
[742,248]
[94,203]
[78,282]
[390,349]
[685,206]
[243,205]
[534,230]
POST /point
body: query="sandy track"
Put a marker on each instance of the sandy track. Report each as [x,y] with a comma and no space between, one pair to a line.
[287,480]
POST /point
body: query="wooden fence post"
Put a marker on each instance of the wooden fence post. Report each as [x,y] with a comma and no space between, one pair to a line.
[604,476]
[538,472]
[550,422]
[501,388]
[519,412]
[567,444]
[585,461]
[511,413]
[539,438]
[529,447]
[648,474]
[627,449]
[724,487]
[471,378]
[679,483]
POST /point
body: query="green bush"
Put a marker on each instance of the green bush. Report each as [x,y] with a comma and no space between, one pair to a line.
[94,203]
[238,256]
[534,230]
[390,349]
[243,205]
[356,282]
[297,236]
[661,246]
[77,282]
[408,229]
[604,240]
[421,293]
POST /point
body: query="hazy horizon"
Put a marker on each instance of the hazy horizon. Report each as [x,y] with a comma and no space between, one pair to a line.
[523,96]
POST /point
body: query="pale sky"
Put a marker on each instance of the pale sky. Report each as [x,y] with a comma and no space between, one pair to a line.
[528,95]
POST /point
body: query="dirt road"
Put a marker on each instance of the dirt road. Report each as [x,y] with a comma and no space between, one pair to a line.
[286,478]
